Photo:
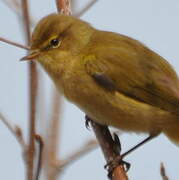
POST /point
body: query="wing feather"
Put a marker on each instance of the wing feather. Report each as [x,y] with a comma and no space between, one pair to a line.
[135,71]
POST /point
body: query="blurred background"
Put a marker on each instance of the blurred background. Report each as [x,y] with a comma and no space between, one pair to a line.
[155,23]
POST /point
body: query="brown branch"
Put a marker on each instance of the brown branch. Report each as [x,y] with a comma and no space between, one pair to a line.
[86,8]
[26,20]
[110,150]
[14,43]
[54,125]
[63,6]
[86,148]
[40,142]
[33,93]
[119,173]
[163,172]
[16,131]
[53,136]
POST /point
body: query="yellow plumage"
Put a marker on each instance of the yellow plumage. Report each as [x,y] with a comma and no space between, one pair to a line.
[114,79]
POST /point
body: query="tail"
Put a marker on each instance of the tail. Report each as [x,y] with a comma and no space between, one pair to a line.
[173,133]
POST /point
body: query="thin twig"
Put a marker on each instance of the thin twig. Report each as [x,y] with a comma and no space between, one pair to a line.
[15,6]
[85,149]
[40,142]
[86,8]
[53,135]
[33,93]
[54,125]
[16,131]
[25,12]
[63,6]
[82,151]
[14,43]
[110,149]
[163,172]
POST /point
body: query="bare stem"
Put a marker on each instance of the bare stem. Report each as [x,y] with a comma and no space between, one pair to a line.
[163,172]
[16,131]
[14,43]
[33,93]
[25,12]
[110,150]
[86,148]
[15,6]
[85,9]
[53,136]
[54,125]
[40,142]
[63,6]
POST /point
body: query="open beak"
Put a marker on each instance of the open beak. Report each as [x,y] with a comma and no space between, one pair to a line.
[33,55]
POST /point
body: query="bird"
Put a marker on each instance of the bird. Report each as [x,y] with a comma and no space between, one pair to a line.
[114,79]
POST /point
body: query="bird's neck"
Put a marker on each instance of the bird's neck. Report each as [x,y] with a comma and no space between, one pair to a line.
[57,67]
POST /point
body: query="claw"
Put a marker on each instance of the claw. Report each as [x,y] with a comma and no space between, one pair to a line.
[87,122]
[126,165]
[117,141]
[110,166]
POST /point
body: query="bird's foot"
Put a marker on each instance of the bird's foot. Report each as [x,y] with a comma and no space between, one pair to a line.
[118,160]
[117,142]
[110,166]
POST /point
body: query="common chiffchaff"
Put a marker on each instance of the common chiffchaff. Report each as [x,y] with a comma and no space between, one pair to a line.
[114,79]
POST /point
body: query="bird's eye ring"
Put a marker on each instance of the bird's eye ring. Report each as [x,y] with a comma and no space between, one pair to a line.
[54,42]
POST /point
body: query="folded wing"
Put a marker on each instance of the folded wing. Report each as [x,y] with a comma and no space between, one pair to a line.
[129,67]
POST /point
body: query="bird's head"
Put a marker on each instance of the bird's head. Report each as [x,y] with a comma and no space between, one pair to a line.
[56,36]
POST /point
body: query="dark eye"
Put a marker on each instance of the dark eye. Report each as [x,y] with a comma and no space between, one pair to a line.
[54,42]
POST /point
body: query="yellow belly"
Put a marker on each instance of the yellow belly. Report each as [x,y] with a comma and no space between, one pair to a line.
[115,109]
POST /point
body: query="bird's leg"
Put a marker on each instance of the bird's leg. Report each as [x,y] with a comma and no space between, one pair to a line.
[110,146]
[150,137]
[118,160]
[115,145]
